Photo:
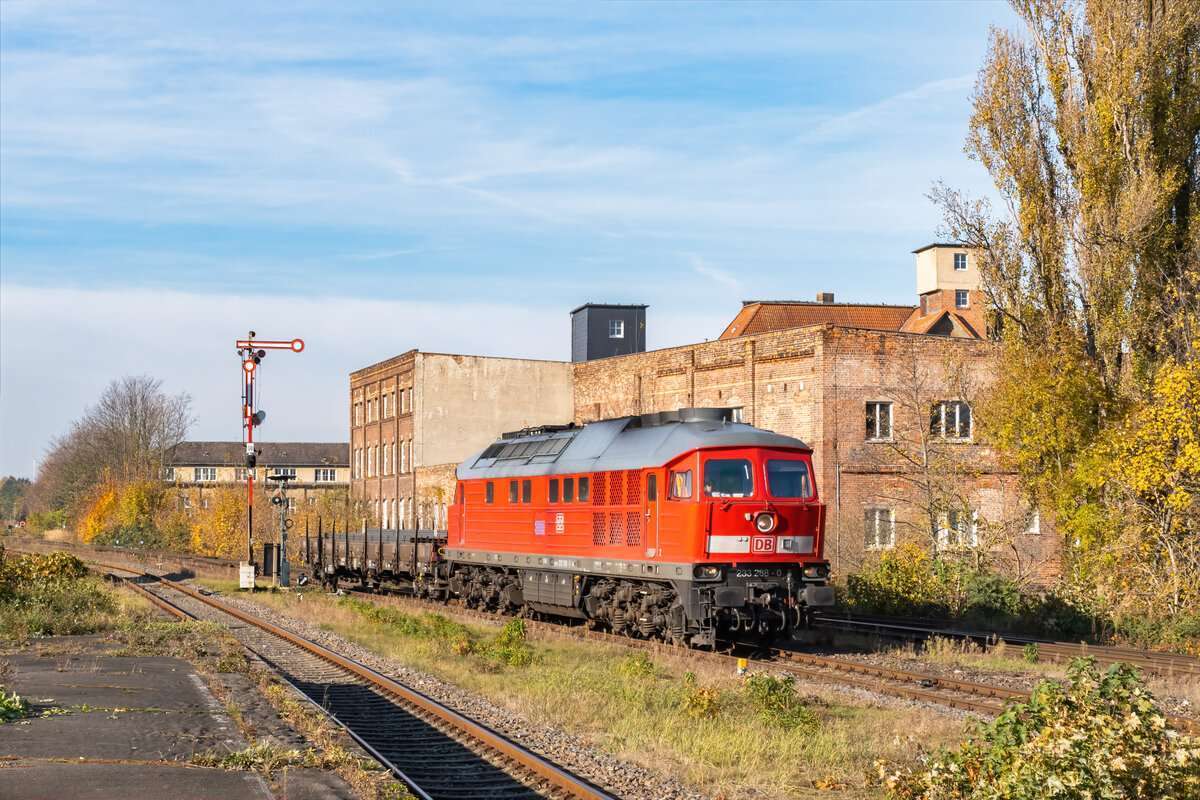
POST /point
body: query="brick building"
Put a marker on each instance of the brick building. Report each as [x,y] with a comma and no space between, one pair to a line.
[883,394]
[415,416]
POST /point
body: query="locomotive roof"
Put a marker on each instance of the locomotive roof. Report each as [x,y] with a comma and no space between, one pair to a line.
[649,440]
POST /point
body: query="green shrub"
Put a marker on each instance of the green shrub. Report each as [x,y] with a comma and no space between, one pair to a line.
[52,595]
[702,703]
[639,665]
[1102,736]
[988,594]
[510,646]
[1030,652]
[40,522]
[12,707]
[905,581]
[777,703]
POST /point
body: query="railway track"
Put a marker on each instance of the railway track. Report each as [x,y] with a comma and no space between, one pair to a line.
[963,695]
[1166,664]
[437,752]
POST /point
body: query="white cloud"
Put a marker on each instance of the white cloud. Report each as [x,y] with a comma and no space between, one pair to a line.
[714,273]
[63,346]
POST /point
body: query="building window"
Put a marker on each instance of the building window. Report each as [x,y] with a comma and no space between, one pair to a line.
[168,473]
[960,262]
[616,329]
[879,422]
[206,474]
[958,529]
[951,420]
[384,471]
[1033,523]
[879,528]
[960,298]
[385,399]
[404,456]
[370,461]
[358,413]
[239,474]
[324,475]
[289,471]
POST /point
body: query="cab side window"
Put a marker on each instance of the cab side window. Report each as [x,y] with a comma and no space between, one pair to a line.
[681,485]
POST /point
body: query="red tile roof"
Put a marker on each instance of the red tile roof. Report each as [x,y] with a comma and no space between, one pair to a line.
[765,316]
[941,323]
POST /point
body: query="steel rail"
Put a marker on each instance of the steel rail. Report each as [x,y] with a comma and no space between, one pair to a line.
[381,759]
[1160,663]
[507,750]
[841,672]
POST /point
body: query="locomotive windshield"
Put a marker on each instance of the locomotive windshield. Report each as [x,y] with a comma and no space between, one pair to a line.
[728,477]
[788,479]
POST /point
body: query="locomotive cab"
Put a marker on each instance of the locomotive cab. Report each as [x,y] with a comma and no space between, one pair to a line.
[758,527]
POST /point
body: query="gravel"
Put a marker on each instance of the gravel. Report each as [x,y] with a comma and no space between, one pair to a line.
[579,755]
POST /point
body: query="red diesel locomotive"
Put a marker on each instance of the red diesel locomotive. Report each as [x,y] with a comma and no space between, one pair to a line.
[682,525]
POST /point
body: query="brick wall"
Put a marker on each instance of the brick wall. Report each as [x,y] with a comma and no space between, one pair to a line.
[814,383]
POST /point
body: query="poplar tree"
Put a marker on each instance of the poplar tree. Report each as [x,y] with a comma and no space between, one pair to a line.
[1088,121]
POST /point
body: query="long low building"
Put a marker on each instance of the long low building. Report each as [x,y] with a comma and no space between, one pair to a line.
[313,466]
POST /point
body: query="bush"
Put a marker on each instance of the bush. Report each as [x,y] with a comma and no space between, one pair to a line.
[510,646]
[904,581]
[52,595]
[777,702]
[638,664]
[1101,736]
[703,703]
[12,707]
[988,594]
[40,522]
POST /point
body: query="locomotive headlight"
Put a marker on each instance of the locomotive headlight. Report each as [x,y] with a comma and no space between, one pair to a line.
[765,522]
[707,571]
[816,571]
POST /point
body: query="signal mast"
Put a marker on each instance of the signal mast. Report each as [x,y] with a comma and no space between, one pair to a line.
[252,354]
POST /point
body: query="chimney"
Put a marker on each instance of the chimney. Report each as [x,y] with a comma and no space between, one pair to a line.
[824,297]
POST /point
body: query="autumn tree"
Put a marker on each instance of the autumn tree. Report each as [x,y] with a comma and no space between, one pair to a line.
[12,497]
[1089,123]
[119,441]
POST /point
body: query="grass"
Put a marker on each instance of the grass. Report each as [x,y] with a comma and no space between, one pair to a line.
[701,725]
[52,604]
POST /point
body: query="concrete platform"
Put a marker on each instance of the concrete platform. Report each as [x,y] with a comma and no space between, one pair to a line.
[122,727]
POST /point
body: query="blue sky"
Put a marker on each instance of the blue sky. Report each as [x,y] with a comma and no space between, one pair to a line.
[455,177]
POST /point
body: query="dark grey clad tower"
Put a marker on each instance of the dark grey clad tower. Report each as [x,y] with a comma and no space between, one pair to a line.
[603,331]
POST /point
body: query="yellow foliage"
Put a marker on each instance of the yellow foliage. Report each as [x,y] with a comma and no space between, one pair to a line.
[220,529]
[99,513]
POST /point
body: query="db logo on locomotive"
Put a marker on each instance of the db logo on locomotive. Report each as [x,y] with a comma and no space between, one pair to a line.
[762,544]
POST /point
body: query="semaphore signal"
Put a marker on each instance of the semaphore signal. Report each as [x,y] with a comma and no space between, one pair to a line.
[252,353]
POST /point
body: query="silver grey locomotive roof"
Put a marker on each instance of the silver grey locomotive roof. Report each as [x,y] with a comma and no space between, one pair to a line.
[649,440]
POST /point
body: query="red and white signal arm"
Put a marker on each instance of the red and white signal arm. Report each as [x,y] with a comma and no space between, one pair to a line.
[295,345]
